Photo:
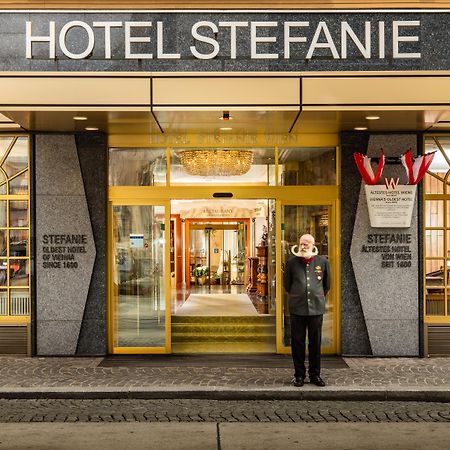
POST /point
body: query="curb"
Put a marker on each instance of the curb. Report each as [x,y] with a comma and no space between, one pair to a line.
[231,394]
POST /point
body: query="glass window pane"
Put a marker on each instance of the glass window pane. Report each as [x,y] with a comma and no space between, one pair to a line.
[19,272]
[18,213]
[137,167]
[3,302]
[439,164]
[434,213]
[19,184]
[3,217]
[3,237]
[19,302]
[139,296]
[17,159]
[432,185]
[3,272]
[434,287]
[18,243]
[307,166]
[249,167]
[296,221]
[434,243]
[5,142]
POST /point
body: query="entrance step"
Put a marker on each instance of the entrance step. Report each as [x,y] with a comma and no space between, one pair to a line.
[223,333]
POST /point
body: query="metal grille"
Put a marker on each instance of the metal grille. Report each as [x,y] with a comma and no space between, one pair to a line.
[2,304]
[19,304]
[438,340]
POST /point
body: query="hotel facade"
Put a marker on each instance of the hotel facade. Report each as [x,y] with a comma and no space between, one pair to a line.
[158,162]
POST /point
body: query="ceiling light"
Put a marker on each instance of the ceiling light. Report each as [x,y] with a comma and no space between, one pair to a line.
[225,128]
[360,128]
[208,163]
[91,129]
[372,117]
[225,116]
[80,118]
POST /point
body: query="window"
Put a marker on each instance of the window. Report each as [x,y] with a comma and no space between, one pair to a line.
[437,229]
[14,227]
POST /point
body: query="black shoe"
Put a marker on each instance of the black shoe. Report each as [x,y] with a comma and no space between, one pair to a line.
[298,381]
[317,381]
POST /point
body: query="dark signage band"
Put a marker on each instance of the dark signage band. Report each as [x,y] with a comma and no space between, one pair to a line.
[222,41]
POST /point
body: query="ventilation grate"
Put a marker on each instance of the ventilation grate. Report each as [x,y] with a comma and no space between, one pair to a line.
[13,340]
[438,340]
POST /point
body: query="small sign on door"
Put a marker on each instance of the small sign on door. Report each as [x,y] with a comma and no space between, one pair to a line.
[136,241]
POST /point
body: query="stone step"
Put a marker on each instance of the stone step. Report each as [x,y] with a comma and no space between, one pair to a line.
[260,319]
[221,337]
[223,329]
[235,328]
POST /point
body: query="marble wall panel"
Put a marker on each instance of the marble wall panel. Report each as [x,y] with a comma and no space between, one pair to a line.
[387,294]
[61,210]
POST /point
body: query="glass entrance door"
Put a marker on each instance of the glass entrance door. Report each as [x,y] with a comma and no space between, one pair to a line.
[139,290]
[319,221]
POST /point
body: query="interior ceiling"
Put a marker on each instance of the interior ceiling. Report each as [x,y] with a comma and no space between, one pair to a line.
[251,122]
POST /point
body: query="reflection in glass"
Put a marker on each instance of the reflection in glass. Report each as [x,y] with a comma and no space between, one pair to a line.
[17,158]
[18,214]
[307,166]
[18,242]
[262,170]
[19,184]
[3,185]
[19,272]
[296,221]
[439,163]
[3,302]
[435,287]
[3,215]
[3,272]
[139,300]
[137,167]
[434,243]
[434,213]
[3,237]
[5,142]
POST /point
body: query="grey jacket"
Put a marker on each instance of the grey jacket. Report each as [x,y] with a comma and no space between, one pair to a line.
[307,285]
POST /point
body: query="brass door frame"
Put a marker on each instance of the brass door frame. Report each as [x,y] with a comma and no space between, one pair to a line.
[334,258]
[110,303]
[283,195]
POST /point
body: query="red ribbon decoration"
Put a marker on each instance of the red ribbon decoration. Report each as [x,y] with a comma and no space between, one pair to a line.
[416,170]
[365,169]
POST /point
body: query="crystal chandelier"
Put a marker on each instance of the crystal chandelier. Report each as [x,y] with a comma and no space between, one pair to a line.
[208,163]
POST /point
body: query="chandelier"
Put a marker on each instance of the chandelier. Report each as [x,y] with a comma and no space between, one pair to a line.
[208,163]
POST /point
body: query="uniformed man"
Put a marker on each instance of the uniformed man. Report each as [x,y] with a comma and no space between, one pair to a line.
[307,280]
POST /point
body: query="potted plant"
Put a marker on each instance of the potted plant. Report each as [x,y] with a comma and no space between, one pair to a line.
[201,272]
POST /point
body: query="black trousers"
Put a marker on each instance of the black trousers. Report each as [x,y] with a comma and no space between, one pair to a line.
[299,325]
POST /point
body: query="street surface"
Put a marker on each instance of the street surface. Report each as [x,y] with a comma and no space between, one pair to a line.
[185,424]
[191,410]
[224,436]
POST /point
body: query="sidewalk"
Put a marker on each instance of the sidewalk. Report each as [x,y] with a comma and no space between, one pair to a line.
[223,377]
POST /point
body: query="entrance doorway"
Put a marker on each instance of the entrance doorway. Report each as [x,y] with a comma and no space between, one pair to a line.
[196,261]
[223,294]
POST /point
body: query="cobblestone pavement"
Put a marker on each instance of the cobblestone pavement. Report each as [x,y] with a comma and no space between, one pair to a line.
[125,410]
[415,373]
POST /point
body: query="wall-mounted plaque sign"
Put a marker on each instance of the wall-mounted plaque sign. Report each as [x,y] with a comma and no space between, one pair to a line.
[390,206]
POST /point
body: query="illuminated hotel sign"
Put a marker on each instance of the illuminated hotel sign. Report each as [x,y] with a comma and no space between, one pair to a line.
[209,39]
